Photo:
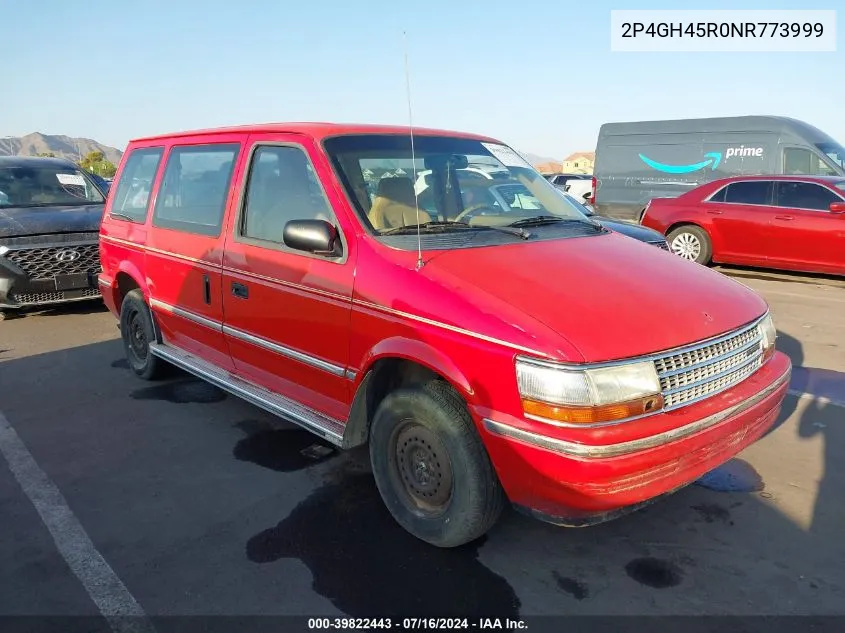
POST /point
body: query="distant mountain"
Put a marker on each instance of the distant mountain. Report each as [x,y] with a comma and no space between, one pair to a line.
[62,146]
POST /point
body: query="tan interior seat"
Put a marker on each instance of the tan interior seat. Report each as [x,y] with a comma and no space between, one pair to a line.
[394,205]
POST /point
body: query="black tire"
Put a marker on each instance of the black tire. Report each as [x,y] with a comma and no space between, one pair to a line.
[692,243]
[136,329]
[431,468]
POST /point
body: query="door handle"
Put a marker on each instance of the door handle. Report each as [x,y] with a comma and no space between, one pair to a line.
[239,290]
[206,289]
[784,217]
[714,211]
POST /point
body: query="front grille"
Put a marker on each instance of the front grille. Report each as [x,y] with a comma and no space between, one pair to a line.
[704,370]
[44,262]
[35,298]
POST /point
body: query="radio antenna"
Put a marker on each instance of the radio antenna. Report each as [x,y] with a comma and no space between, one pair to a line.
[413,153]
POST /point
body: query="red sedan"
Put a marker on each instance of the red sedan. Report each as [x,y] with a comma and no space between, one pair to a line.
[787,222]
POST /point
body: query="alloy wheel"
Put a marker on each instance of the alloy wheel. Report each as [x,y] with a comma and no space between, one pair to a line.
[687,246]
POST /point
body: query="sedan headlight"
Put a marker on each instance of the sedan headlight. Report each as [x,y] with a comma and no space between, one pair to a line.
[769,336]
[3,250]
[557,393]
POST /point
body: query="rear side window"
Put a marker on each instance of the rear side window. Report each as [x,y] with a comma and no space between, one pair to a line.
[132,195]
[719,196]
[282,187]
[805,195]
[750,192]
[193,193]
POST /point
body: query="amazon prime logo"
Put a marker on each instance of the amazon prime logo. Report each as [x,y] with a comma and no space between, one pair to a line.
[67,255]
[711,160]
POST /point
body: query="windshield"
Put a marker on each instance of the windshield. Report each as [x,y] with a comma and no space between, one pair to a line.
[834,152]
[452,181]
[46,185]
[574,202]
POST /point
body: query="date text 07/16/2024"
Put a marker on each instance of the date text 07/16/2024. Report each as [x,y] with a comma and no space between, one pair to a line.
[411,624]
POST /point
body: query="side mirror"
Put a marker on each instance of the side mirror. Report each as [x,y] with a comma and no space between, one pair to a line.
[837,207]
[313,236]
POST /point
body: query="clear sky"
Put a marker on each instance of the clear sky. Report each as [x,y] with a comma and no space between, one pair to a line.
[537,75]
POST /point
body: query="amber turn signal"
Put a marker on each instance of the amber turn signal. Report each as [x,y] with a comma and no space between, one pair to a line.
[593,415]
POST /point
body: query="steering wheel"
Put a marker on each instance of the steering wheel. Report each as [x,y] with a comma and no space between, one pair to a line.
[472,210]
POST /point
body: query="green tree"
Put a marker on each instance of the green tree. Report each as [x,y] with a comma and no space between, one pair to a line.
[46,154]
[96,163]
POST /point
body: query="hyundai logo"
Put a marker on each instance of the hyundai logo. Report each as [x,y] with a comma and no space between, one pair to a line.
[67,255]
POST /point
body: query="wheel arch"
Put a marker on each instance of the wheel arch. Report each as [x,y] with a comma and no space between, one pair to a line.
[393,363]
[127,279]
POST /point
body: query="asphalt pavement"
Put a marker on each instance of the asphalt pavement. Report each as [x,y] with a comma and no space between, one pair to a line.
[123,497]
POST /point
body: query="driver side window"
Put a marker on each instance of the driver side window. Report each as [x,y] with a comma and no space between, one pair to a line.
[280,188]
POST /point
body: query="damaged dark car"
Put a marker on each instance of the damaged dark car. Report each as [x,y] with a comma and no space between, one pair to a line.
[50,214]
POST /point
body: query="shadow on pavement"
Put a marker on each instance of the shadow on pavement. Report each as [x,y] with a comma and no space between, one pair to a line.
[698,551]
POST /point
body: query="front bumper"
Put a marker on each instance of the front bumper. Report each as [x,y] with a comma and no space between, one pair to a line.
[28,278]
[577,483]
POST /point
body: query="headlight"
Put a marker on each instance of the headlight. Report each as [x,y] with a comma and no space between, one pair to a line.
[555,393]
[769,336]
[3,250]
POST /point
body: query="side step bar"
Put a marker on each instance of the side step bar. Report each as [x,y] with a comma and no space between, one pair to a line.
[324,426]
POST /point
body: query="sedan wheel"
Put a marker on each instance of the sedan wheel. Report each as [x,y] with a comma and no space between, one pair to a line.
[687,245]
[690,242]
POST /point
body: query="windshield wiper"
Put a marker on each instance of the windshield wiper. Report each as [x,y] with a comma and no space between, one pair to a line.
[434,226]
[121,216]
[539,220]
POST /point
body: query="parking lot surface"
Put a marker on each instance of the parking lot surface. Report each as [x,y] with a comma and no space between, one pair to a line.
[172,498]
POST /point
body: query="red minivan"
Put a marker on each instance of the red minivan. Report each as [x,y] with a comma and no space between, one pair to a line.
[488,341]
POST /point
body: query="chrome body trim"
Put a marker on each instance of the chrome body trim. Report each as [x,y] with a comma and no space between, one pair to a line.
[105,283]
[288,284]
[592,451]
[287,352]
[329,295]
[122,242]
[327,428]
[445,326]
[773,181]
[158,251]
[217,326]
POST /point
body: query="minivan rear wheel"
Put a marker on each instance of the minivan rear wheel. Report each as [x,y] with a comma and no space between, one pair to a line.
[136,329]
[690,242]
[431,468]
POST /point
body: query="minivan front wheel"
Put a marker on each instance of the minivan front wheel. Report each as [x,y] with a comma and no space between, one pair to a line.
[136,329]
[431,468]
[691,243]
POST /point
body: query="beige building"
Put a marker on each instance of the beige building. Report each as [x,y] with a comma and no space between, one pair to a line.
[579,163]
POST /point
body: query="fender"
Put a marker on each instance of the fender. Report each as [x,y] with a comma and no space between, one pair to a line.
[420,353]
[357,425]
[127,267]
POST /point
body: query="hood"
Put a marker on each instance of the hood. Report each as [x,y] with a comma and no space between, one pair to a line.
[22,221]
[608,296]
[637,231]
